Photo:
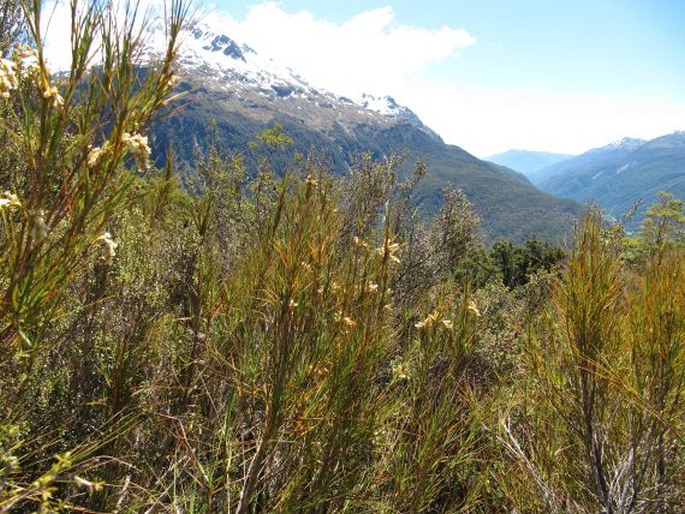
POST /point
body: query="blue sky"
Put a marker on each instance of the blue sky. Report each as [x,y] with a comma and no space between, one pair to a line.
[607,46]
[614,46]
[549,75]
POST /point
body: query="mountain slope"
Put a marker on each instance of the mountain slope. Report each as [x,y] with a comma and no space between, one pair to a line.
[245,94]
[526,161]
[621,174]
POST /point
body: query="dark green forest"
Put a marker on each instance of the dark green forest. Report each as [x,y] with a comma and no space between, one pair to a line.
[265,335]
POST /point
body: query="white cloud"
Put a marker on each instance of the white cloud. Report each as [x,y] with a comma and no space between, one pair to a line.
[56,27]
[368,53]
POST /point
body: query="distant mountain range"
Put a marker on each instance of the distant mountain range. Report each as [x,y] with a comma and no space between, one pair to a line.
[234,94]
[620,175]
[526,161]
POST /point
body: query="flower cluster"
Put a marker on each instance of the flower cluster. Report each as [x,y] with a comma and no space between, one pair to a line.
[345,320]
[432,320]
[51,93]
[25,63]
[110,245]
[292,305]
[389,251]
[27,59]
[173,80]
[473,309]
[8,199]
[8,77]
[139,148]
[94,156]
[358,242]
[399,371]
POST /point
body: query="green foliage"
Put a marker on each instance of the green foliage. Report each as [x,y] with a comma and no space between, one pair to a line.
[596,422]
[517,264]
[663,230]
[274,137]
[305,342]
[664,224]
[65,167]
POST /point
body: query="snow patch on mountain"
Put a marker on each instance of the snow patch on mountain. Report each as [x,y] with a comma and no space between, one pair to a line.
[625,167]
[385,105]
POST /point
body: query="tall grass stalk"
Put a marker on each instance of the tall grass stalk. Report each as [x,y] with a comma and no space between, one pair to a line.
[606,398]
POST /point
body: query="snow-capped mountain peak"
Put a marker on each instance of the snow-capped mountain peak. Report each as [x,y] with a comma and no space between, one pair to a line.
[384,105]
[209,52]
[626,143]
[217,54]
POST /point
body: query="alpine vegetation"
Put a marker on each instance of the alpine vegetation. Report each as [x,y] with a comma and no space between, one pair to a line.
[263,335]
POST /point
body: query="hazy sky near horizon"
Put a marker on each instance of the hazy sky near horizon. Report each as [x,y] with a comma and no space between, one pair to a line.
[489,75]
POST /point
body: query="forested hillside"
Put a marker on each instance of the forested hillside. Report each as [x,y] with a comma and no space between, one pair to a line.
[623,177]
